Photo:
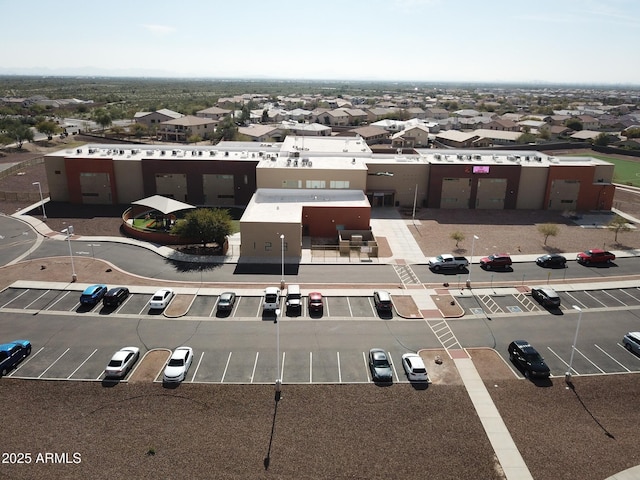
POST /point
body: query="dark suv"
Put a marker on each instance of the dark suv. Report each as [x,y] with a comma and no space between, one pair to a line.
[382,300]
[527,359]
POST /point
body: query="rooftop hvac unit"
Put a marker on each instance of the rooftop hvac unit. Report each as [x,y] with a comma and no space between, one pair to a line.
[288,162]
[79,150]
[309,163]
[437,156]
[295,163]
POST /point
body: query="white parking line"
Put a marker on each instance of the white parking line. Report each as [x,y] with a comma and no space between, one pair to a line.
[282,366]
[615,298]
[39,297]
[80,366]
[260,306]
[366,365]
[123,303]
[255,364]
[595,345]
[39,376]
[349,305]
[197,367]
[575,300]
[25,361]
[14,298]
[627,293]
[560,358]
[310,367]
[373,308]
[589,360]
[630,353]
[213,309]
[145,307]
[339,372]
[393,365]
[63,295]
[326,306]
[587,293]
[226,367]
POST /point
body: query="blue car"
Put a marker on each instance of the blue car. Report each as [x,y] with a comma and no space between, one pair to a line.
[93,294]
[13,353]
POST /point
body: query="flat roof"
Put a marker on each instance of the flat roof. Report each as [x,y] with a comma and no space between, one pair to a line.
[318,163]
[280,205]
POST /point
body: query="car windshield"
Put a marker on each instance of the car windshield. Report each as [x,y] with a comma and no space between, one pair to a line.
[380,362]
[533,357]
[419,370]
[115,363]
[157,298]
[176,362]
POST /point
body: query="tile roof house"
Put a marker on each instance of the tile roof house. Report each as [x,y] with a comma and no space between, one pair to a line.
[214,113]
[262,133]
[371,134]
[155,118]
[180,129]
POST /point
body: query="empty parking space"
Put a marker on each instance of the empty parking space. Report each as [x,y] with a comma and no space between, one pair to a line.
[203,306]
[362,306]
[136,304]
[337,307]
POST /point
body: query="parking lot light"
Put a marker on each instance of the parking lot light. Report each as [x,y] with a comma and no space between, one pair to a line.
[69,231]
[44,214]
[567,375]
[473,244]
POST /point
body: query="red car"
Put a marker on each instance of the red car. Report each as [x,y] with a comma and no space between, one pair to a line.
[497,260]
[315,302]
[596,255]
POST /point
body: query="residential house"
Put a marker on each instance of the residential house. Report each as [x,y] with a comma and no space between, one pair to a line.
[154,119]
[214,113]
[414,136]
[337,117]
[503,125]
[371,134]
[456,138]
[589,122]
[376,113]
[262,133]
[306,129]
[180,129]
[436,113]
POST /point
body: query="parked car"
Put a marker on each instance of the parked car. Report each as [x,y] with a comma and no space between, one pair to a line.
[380,366]
[631,342]
[527,359]
[382,300]
[178,365]
[12,353]
[294,299]
[414,367]
[316,303]
[121,362]
[552,260]
[446,261]
[546,296]
[497,260]
[161,299]
[115,296]
[93,294]
[271,298]
[226,301]
[594,256]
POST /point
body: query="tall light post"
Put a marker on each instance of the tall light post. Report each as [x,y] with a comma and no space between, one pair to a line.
[473,244]
[567,376]
[278,313]
[69,232]
[44,214]
[415,199]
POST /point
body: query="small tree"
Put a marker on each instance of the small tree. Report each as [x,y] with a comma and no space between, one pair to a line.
[102,118]
[205,225]
[618,224]
[47,127]
[548,230]
[457,236]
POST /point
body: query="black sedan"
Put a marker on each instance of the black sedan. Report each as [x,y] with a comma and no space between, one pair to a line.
[552,260]
[380,366]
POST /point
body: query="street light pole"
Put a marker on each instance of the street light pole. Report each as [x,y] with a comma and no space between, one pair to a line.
[44,214]
[415,199]
[567,376]
[473,244]
[278,313]
[69,232]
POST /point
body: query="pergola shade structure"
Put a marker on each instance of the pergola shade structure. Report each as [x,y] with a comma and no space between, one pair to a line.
[163,204]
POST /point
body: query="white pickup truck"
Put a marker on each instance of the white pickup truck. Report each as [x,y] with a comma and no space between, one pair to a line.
[446,261]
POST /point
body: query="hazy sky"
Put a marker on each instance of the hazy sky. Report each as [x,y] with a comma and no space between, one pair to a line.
[566,41]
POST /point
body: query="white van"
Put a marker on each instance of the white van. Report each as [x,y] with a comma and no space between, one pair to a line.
[271,298]
[294,298]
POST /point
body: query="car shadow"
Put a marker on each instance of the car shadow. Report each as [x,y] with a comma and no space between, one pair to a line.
[385,315]
[315,315]
[110,382]
[555,310]
[600,265]
[104,310]
[379,383]
[497,269]
[171,385]
[85,308]
[223,313]
[269,316]
[419,385]
[450,272]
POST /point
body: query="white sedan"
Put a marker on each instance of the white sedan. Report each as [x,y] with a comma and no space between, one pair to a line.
[121,362]
[414,367]
[161,299]
[178,365]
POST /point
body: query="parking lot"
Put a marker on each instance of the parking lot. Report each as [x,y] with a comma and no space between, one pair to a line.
[203,305]
[214,366]
[511,301]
